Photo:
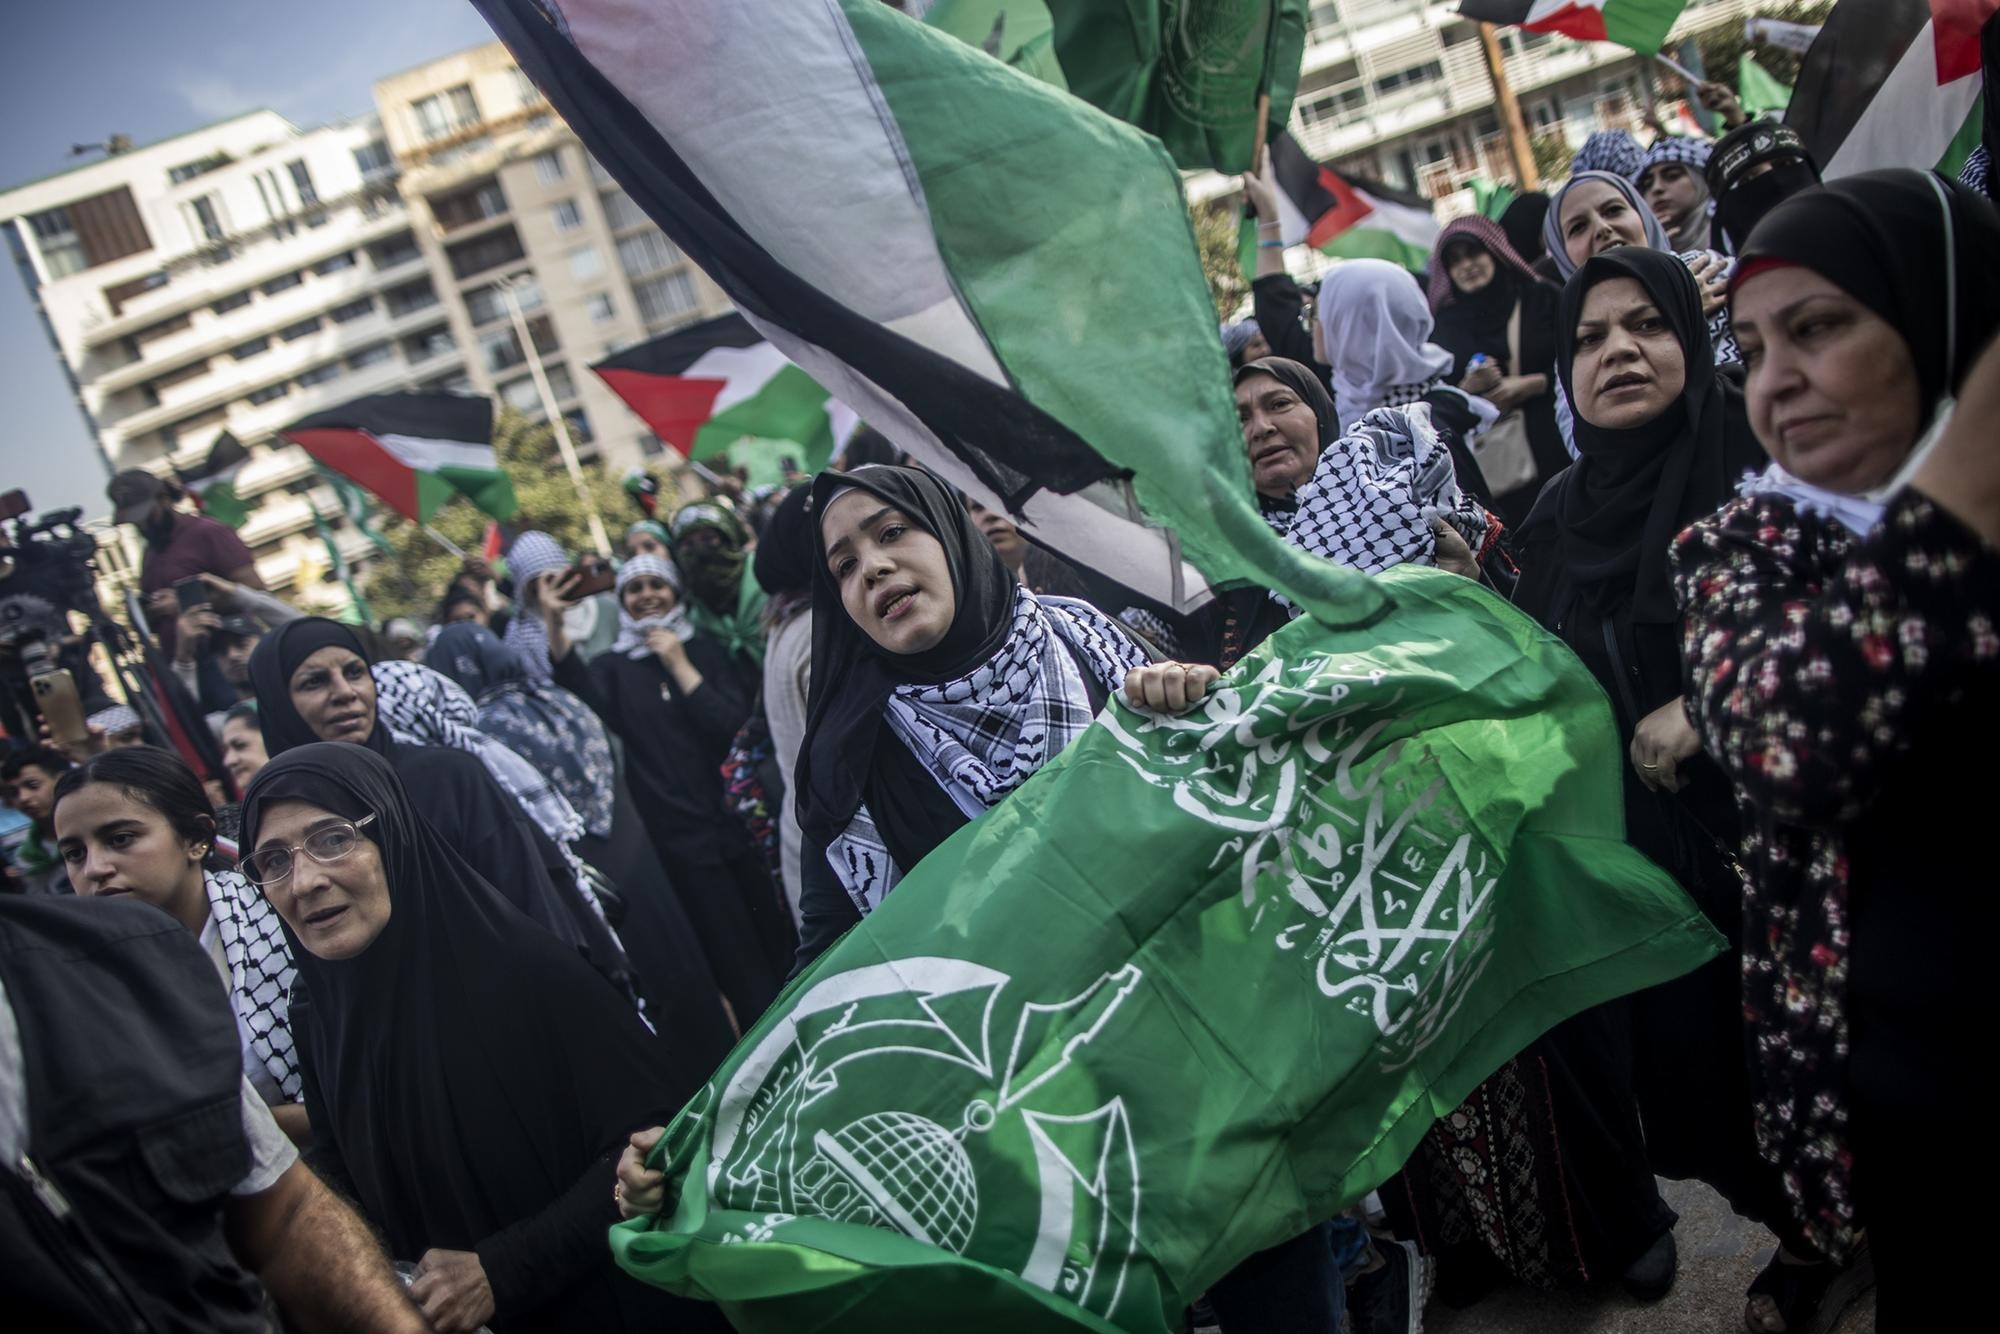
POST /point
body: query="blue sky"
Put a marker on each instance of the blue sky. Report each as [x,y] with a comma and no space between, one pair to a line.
[81,71]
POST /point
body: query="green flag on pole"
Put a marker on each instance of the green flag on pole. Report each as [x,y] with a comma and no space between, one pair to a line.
[1758,89]
[358,508]
[1198,984]
[339,571]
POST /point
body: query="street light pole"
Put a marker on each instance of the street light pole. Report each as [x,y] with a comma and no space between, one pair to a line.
[598,536]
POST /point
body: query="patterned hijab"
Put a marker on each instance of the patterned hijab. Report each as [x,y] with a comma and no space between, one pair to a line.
[538,720]
[533,553]
[632,630]
[1614,151]
[1693,231]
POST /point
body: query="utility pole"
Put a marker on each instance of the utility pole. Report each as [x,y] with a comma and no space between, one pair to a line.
[598,536]
[1518,146]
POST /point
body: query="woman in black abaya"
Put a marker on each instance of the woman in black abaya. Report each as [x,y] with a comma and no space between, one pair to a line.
[468,1077]
[313,684]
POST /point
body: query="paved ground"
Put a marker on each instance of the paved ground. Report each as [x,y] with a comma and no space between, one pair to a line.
[1720,1254]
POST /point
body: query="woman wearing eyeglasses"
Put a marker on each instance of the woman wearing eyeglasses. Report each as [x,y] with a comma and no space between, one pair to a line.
[135,822]
[469,1077]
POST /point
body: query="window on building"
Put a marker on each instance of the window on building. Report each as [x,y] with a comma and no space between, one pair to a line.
[1323,24]
[87,232]
[646,253]
[283,282]
[319,375]
[500,350]
[409,298]
[579,426]
[270,393]
[485,306]
[549,166]
[524,87]
[298,329]
[245,351]
[543,332]
[568,217]
[585,263]
[432,342]
[1431,71]
[173,324]
[490,251]
[374,156]
[522,396]
[1334,106]
[335,263]
[181,375]
[527,291]
[603,310]
[372,355]
[302,181]
[561,385]
[621,212]
[395,250]
[666,298]
[117,295]
[350,311]
[443,113]
[187,171]
[207,218]
[234,301]
[475,203]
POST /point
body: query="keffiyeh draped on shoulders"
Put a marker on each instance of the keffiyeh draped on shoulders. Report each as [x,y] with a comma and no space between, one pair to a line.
[260,974]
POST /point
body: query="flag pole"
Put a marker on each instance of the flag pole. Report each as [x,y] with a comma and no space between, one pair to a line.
[598,536]
[445,542]
[1518,144]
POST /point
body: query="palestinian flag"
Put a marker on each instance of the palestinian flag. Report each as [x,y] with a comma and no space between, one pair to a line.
[995,274]
[357,508]
[413,452]
[1346,216]
[1892,83]
[1640,24]
[1186,71]
[212,483]
[707,388]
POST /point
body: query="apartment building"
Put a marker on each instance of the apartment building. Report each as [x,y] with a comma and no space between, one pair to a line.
[502,197]
[234,278]
[1399,90]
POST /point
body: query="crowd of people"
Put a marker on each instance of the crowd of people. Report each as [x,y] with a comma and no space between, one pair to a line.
[490,900]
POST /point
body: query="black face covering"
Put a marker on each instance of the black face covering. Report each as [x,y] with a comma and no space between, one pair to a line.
[1630,491]
[1754,168]
[1916,249]
[841,763]
[468,1067]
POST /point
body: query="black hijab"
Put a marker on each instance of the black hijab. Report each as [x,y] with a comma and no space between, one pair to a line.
[1777,154]
[787,551]
[469,1068]
[1522,221]
[1913,247]
[272,663]
[1618,508]
[1300,379]
[843,760]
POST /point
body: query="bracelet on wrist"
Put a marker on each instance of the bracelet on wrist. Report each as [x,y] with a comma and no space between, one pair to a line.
[1270,245]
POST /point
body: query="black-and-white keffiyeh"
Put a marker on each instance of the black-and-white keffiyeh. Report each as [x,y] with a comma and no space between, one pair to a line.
[632,630]
[532,554]
[1370,501]
[983,734]
[260,974]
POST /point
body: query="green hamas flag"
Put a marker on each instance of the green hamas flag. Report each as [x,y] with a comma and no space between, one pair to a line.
[1758,89]
[1198,984]
[1186,71]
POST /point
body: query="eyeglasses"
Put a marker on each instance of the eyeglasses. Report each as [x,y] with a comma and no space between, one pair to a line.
[327,845]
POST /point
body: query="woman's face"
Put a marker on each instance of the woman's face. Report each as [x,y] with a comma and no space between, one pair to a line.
[1470,267]
[648,595]
[334,693]
[1629,366]
[1001,532]
[1670,190]
[243,752]
[114,844]
[893,578]
[642,543]
[1258,347]
[1595,218]
[1281,433]
[1832,389]
[335,910]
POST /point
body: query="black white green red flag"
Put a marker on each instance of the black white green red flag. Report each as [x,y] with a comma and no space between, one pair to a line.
[1892,83]
[1346,216]
[998,276]
[212,482]
[1640,24]
[708,388]
[413,452]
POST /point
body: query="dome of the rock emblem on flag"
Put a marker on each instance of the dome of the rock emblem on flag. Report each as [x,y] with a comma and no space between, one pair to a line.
[896,1170]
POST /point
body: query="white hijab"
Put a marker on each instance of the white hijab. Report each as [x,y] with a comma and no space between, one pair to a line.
[1377,324]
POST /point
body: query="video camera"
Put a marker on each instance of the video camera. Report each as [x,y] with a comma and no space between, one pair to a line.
[47,570]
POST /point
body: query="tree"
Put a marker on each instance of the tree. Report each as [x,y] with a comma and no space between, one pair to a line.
[1722,46]
[1552,156]
[410,578]
[1216,235]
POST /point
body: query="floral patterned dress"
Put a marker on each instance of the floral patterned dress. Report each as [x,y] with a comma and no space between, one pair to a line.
[1831,673]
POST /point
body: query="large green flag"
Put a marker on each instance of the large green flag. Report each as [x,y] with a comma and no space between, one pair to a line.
[1187,71]
[1198,984]
[1758,89]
